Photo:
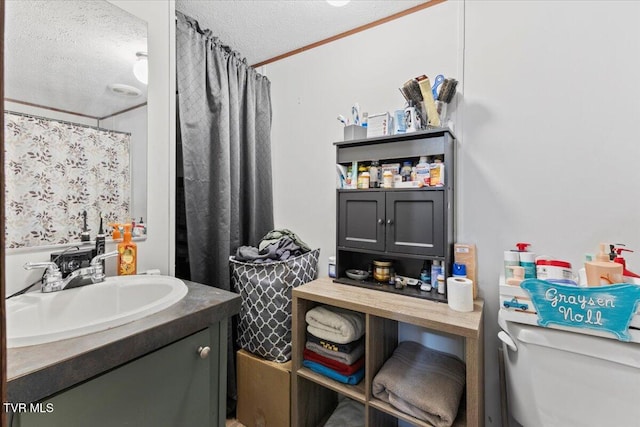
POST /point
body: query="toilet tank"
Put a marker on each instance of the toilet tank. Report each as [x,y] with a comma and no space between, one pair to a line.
[563,379]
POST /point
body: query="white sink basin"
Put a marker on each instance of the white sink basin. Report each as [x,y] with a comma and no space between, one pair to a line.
[38,318]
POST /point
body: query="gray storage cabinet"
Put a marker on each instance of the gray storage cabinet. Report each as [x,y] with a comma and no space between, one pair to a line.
[170,387]
[406,225]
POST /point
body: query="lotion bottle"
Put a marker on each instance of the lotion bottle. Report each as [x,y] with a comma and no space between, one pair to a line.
[127,254]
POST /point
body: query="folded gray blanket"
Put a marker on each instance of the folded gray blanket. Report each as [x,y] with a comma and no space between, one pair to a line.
[335,324]
[348,413]
[338,356]
[422,382]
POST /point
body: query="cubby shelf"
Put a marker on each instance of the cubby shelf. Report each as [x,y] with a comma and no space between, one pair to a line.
[315,396]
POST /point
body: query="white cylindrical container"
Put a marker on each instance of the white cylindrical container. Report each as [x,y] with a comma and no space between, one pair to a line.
[422,171]
[555,270]
[441,284]
[387,179]
[460,297]
[528,262]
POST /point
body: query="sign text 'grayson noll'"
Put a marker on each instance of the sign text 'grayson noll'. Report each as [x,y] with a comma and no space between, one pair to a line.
[605,308]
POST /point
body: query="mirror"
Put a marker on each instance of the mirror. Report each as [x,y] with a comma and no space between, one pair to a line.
[75,119]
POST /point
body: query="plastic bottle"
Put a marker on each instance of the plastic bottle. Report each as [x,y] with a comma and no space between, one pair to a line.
[527,260]
[442,285]
[100,239]
[127,254]
[332,266]
[374,174]
[406,171]
[422,171]
[436,172]
[425,274]
[435,270]
[387,179]
[115,235]
[363,180]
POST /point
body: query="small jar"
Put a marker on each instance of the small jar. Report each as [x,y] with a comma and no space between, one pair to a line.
[441,284]
[363,180]
[382,271]
[387,179]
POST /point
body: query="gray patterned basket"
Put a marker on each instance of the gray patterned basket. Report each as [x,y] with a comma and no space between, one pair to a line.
[265,312]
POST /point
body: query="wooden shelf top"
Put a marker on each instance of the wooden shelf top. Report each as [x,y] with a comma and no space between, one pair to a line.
[416,311]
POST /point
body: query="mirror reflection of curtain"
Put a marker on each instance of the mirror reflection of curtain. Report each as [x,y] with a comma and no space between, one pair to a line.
[56,170]
[225,125]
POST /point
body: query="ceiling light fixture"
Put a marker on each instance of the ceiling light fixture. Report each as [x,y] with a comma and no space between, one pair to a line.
[338,3]
[141,67]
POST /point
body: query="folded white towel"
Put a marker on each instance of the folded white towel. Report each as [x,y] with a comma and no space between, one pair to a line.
[335,324]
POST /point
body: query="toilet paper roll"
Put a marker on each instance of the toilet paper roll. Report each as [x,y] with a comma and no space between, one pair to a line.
[460,297]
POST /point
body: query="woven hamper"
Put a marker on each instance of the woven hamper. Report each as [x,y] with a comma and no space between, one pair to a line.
[265,312]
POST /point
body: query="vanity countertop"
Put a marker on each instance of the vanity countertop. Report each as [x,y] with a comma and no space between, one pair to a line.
[38,371]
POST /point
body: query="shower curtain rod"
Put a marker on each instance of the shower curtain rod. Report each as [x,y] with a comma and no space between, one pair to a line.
[65,122]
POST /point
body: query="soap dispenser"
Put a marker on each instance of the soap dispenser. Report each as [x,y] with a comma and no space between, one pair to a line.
[127,254]
[602,271]
[527,260]
[620,260]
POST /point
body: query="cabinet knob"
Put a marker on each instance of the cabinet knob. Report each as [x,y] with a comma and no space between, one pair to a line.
[204,352]
[380,221]
[389,221]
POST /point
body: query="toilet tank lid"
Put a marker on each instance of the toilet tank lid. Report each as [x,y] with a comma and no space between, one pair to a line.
[606,349]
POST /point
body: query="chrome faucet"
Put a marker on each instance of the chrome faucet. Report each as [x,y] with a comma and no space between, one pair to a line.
[54,282]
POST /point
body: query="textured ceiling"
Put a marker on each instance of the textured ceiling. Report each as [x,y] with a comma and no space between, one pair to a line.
[263,29]
[63,54]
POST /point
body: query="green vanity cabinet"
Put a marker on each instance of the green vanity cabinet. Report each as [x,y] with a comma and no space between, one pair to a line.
[176,385]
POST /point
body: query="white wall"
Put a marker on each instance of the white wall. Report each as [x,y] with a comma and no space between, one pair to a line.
[310,89]
[541,156]
[135,122]
[157,251]
[541,122]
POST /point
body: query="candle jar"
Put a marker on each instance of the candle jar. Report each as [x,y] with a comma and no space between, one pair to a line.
[382,271]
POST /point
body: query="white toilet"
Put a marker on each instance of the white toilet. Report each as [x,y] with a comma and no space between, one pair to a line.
[566,379]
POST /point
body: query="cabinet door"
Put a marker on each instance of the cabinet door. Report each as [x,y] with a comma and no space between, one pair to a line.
[415,222]
[167,388]
[361,220]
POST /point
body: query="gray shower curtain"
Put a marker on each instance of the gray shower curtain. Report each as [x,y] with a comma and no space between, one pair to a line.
[225,126]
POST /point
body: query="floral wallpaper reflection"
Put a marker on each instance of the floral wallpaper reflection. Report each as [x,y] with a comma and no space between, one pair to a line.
[56,170]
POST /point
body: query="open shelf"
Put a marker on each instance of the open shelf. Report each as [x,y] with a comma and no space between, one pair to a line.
[460,421]
[355,392]
[411,291]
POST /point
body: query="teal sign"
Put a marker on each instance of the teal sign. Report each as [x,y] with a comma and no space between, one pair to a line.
[605,308]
